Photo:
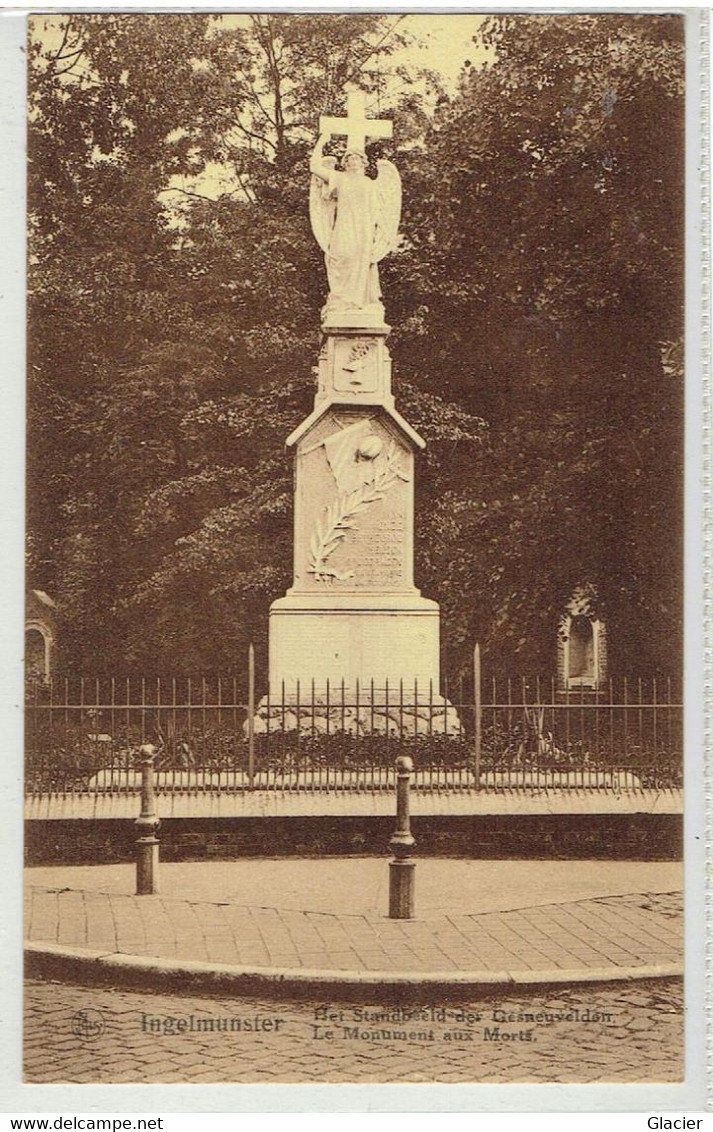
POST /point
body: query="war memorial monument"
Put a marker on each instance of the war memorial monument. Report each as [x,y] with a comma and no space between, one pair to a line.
[353,622]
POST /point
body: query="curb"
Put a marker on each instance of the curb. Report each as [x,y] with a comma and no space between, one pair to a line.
[78,964]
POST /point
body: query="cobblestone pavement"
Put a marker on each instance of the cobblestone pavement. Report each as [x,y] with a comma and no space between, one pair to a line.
[613,931]
[625,1032]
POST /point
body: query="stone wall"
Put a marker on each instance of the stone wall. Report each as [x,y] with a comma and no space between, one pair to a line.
[553,836]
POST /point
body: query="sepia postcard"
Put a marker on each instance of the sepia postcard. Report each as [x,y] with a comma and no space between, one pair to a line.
[363,365]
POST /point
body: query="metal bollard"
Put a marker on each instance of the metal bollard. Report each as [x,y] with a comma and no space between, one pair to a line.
[402,870]
[148,823]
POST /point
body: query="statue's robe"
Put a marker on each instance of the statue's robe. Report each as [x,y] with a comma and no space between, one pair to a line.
[353,277]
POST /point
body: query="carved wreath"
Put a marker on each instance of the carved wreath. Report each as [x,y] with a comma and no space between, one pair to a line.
[338,518]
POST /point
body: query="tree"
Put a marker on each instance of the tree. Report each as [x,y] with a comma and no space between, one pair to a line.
[544,282]
[156,505]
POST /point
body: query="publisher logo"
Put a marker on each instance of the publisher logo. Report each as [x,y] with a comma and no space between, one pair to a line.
[88,1025]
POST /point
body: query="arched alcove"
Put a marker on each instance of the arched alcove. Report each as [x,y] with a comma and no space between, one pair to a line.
[581,647]
[40,636]
[38,652]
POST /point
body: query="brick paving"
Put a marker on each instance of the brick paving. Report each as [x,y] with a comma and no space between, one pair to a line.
[619,1033]
[570,1032]
[613,932]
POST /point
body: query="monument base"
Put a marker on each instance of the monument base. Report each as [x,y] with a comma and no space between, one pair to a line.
[367,664]
[365,713]
[366,638]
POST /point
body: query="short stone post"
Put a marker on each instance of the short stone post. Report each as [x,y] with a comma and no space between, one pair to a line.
[147,823]
[402,870]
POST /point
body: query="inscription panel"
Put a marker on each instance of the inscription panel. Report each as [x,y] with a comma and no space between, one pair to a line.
[382,560]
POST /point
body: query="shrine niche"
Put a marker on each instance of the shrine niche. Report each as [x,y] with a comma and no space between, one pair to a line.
[40,636]
[581,647]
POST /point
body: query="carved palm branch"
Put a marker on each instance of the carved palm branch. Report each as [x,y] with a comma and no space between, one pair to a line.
[338,518]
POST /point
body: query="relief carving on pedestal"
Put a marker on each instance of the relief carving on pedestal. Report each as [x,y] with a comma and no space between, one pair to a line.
[365,468]
[356,365]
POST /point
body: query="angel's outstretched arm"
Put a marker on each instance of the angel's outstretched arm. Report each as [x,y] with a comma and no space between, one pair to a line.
[316,164]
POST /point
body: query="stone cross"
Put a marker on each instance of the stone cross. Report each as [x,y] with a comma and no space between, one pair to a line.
[356,125]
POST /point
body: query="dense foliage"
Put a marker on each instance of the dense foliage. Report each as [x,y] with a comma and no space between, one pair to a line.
[536,303]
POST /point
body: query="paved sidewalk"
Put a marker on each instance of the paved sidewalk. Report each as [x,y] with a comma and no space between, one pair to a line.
[606,934]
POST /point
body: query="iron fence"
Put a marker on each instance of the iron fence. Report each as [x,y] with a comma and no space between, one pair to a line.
[497,734]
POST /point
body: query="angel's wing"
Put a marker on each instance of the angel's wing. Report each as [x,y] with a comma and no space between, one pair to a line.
[322,205]
[388,195]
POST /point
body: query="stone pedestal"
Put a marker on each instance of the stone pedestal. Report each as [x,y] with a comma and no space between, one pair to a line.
[354,637]
[353,617]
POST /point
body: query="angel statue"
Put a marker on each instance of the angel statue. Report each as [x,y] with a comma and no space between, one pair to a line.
[355,221]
